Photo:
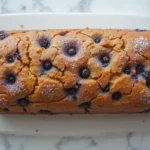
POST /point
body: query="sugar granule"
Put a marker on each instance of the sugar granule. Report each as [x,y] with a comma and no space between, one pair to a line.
[16,88]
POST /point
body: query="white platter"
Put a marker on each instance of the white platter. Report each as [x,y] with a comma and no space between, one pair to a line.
[77,125]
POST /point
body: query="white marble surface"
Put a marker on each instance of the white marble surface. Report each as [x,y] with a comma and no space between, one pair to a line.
[105,141]
[140,7]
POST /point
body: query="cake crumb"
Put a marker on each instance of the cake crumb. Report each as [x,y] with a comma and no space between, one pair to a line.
[21,25]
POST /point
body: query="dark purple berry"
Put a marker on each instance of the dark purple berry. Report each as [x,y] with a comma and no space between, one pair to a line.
[97,40]
[3,35]
[47,65]
[85,105]
[71,51]
[72,92]
[23,102]
[106,88]
[10,59]
[134,78]
[43,111]
[10,79]
[139,30]
[127,70]
[44,42]
[70,48]
[104,59]
[144,111]
[146,75]
[24,110]
[116,96]
[148,83]
[17,55]
[139,68]
[5,109]
[84,72]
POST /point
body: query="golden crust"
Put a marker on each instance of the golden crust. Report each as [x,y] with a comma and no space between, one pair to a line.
[62,89]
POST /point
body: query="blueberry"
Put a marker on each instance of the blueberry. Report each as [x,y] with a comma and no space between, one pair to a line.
[10,79]
[70,48]
[127,70]
[3,35]
[146,75]
[116,96]
[84,72]
[139,30]
[106,88]
[148,83]
[71,51]
[47,65]
[72,92]
[85,105]
[144,111]
[97,39]
[17,55]
[139,68]
[5,109]
[10,59]
[44,42]
[24,110]
[104,59]
[44,111]
[23,102]
[134,78]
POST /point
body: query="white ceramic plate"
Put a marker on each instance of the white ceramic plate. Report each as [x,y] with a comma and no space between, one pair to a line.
[77,125]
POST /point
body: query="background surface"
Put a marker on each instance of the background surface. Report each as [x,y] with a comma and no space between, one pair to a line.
[105,141]
[137,7]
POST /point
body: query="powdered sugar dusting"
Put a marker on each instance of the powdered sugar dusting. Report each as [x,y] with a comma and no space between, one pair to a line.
[73,65]
[16,88]
[141,44]
[136,57]
[3,101]
[49,91]
[145,97]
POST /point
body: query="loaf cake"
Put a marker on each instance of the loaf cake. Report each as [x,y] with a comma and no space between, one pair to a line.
[75,71]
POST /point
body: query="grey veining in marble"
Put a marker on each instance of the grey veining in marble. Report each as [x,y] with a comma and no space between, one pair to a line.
[140,7]
[81,6]
[107,141]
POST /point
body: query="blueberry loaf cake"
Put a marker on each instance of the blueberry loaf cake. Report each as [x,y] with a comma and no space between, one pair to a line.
[75,71]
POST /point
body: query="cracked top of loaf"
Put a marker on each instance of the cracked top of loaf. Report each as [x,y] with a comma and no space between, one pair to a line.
[75,71]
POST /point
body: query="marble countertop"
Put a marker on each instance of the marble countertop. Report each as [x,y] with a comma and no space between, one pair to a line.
[106,141]
[138,7]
